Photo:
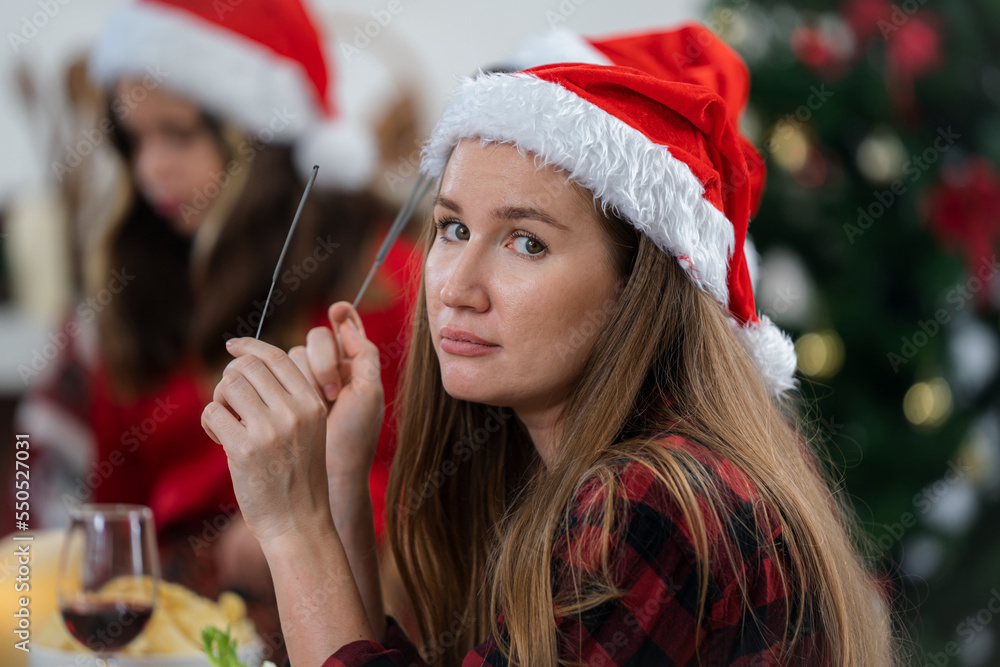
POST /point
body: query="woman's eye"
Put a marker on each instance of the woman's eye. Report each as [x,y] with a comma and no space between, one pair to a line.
[528,246]
[460,231]
[180,136]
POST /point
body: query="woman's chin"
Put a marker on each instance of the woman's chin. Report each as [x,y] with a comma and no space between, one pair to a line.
[470,387]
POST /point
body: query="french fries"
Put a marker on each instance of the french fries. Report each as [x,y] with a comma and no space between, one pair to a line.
[175,628]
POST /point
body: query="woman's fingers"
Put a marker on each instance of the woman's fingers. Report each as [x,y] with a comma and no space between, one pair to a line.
[221,400]
[260,378]
[301,360]
[240,394]
[362,353]
[282,368]
[221,425]
[276,441]
[324,361]
[209,431]
[340,312]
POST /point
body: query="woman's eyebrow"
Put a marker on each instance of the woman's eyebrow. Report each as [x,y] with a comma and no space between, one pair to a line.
[447,203]
[507,212]
[523,212]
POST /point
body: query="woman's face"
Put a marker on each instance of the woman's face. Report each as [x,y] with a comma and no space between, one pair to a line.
[520,261]
[176,160]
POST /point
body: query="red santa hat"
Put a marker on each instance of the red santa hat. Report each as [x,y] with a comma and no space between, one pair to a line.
[691,52]
[660,149]
[258,63]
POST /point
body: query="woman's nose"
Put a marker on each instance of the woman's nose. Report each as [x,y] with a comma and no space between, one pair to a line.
[465,285]
[152,164]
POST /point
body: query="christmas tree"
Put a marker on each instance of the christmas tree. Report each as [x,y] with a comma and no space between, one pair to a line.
[878,234]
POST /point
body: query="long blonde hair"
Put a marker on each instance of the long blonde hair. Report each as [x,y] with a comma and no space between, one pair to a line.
[472,512]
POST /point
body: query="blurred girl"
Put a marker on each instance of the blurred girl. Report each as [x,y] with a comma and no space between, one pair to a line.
[218,116]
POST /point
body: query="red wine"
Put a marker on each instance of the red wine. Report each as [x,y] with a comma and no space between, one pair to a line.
[106,627]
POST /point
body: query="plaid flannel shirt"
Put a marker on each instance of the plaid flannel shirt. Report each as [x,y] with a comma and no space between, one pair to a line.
[655,562]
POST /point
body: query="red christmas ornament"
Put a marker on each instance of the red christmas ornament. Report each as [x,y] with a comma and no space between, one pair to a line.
[864,15]
[913,48]
[811,47]
[963,210]
[826,49]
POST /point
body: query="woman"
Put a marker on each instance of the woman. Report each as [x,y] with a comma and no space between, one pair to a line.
[593,466]
[214,118]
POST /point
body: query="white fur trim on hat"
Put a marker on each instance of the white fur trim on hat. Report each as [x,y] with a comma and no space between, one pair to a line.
[558,45]
[268,95]
[773,351]
[639,179]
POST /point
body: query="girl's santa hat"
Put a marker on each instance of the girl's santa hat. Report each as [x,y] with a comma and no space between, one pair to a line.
[690,53]
[258,63]
[658,147]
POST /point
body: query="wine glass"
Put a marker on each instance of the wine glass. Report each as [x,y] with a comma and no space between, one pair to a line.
[109,573]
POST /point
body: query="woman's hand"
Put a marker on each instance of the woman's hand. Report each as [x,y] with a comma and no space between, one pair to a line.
[351,380]
[349,376]
[271,422]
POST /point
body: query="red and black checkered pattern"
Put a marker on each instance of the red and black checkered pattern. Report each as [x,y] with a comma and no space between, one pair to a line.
[653,560]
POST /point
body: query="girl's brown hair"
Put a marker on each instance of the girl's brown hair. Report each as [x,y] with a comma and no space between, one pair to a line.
[476,512]
[186,296]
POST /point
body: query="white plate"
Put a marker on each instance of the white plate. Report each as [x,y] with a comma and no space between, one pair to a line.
[47,657]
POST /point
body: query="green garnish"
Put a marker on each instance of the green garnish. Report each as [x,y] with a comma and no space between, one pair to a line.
[220,648]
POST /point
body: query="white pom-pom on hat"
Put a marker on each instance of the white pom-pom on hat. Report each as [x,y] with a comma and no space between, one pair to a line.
[345,149]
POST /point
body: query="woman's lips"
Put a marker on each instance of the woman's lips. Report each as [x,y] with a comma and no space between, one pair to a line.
[456,341]
[465,348]
[167,208]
